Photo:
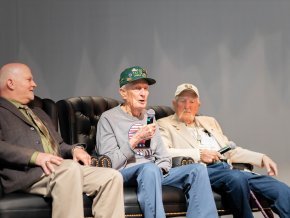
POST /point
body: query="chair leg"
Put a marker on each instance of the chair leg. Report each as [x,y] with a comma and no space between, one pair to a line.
[267,213]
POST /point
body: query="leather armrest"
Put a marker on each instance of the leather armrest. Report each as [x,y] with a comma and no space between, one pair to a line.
[105,161]
[179,161]
[101,161]
[243,166]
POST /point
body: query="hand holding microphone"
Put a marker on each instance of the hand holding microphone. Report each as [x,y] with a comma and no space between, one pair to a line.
[145,133]
[211,156]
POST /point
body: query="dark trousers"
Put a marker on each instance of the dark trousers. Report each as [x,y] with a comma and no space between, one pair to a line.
[235,185]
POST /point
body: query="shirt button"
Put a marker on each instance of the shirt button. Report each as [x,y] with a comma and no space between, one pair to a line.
[37,142]
[32,128]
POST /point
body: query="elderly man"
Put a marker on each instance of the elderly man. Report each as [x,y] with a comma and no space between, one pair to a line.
[122,133]
[32,155]
[201,137]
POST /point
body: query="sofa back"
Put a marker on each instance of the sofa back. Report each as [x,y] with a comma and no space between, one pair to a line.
[49,107]
[79,116]
[161,111]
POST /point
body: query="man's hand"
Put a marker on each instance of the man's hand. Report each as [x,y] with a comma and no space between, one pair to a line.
[144,133]
[270,166]
[209,156]
[79,154]
[47,162]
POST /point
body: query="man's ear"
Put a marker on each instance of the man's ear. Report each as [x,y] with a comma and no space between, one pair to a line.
[10,84]
[123,93]
[174,104]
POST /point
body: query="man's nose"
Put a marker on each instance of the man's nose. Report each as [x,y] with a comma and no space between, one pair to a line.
[142,91]
[33,84]
[187,104]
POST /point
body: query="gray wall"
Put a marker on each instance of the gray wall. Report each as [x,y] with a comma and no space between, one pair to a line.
[237,52]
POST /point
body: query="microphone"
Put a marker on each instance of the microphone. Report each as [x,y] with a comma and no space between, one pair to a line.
[150,118]
[231,145]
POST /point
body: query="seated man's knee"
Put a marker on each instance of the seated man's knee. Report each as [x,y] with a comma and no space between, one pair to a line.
[193,170]
[150,169]
[198,168]
[236,178]
[71,167]
[117,176]
[236,175]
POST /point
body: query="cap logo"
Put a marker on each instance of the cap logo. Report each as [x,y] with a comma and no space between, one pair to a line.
[188,86]
[138,73]
[134,70]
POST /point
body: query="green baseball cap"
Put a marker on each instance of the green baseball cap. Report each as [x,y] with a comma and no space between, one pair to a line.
[134,73]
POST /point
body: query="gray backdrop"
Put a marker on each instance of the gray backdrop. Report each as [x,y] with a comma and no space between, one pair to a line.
[237,52]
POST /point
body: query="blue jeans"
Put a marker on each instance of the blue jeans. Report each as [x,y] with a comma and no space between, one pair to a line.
[235,186]
[193,179]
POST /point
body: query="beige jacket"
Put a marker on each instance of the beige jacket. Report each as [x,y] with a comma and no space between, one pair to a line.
[180,143]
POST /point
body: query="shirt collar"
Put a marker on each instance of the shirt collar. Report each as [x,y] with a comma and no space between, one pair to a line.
[16,103]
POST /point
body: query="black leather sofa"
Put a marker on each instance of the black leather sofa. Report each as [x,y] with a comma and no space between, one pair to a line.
[78,118]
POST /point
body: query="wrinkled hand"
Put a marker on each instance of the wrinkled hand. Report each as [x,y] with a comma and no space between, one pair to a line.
[47,162]
[209,156]
[81,155]
[144,133]
[270,166]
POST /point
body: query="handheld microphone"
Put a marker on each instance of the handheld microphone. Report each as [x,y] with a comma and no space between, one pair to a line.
[231,145]
[150,118]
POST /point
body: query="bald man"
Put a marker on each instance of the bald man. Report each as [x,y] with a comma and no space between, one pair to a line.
[35,159]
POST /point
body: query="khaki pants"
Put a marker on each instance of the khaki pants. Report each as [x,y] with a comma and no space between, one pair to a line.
[68,183]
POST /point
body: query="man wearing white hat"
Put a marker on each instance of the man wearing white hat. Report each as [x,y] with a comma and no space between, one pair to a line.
[201,137]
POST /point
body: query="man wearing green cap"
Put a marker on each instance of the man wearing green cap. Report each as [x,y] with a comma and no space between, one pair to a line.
[123,134]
